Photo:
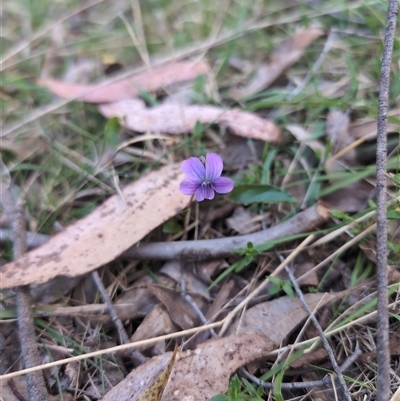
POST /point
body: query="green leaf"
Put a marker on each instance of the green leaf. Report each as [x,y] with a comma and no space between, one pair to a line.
[287,287]
[221,397]
[395,179]
[275,280]
[259,193]
[112,132]
[393,214]
[234,387]
[172,227]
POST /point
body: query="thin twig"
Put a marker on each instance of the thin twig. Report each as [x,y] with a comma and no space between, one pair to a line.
[195,308]
[325,382]
[29,349]
[321,334]
[137,356]
[382,346]
[302,222]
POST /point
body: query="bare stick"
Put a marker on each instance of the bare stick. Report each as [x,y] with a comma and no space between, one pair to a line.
[138,357]
[382,343]
[30,352]
[302,222]
[321,334]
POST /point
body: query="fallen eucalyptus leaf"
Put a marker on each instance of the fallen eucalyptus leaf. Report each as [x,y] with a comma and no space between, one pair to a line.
[100,237]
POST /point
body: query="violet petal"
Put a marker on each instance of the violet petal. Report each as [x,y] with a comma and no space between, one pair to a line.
[189,185]
[204,192]
[223,185]
[214,166]
[194,168]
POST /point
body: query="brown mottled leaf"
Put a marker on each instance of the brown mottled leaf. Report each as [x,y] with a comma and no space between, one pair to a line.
[286,54]
[127,88]
[197,375]
[177,119]
[112,228]
[155,392]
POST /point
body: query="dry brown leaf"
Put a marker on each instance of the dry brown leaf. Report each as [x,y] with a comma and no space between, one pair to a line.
[178,119]
[182,314]
[137,301]
[100,237]
[156,323]
[127,88]
[277,318]
[155,392]
[286,54]
[197,375]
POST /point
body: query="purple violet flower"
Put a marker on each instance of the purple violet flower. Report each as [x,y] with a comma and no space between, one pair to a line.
[202,180]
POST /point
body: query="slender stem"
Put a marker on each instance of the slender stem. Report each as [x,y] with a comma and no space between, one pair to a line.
[29,349]
[383,354]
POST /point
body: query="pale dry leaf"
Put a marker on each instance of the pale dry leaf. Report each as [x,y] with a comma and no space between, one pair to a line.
[178,119]
[337,129]
[354,196]
[197,375]
[130,87]
[100,237]
[303,136]
[276,319]
[242,221]
[287,53]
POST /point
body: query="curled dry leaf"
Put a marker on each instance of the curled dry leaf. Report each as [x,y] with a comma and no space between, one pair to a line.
[178,119]
[197,375]
[286,54]
[128,87]
[113,227]
[277,318]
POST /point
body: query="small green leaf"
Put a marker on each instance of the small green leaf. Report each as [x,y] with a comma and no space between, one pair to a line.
[287,287]
[172,227]
[112,132]
[340,215]
[393,214]
[248,259]
[259,193]
[275,280]
[234,387]
[395,179]
[221,397]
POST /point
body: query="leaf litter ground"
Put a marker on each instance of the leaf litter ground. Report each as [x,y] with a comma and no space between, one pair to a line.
[294,118]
